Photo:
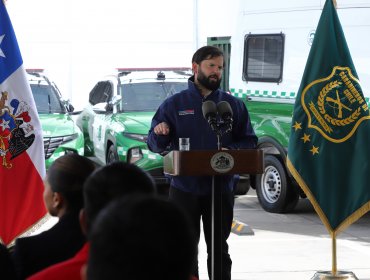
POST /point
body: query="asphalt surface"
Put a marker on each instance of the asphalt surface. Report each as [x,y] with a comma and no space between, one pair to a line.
[290,246]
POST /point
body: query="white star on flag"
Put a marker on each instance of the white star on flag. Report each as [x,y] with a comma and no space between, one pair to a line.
[1,51]
[5,125]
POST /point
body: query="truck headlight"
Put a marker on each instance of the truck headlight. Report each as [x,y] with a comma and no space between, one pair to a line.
[136,136]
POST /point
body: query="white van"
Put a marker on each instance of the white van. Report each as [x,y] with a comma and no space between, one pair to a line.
[269,50]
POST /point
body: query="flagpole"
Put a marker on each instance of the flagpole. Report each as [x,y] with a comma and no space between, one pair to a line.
[334,274]
[334,253]
[315,77]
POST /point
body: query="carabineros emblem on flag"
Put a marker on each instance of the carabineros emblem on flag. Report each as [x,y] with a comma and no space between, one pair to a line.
[334,105]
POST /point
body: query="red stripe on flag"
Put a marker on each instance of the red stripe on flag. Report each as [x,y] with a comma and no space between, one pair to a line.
[22,187]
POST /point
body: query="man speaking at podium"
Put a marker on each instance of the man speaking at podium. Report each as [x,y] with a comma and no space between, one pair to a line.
[190,114]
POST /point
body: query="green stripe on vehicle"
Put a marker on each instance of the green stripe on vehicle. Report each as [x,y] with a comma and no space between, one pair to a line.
[262,93]
[240,93]
[150,154]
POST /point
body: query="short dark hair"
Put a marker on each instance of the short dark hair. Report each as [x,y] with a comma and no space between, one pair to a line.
[113,181]
[206,52]
[66,175]
[141,237]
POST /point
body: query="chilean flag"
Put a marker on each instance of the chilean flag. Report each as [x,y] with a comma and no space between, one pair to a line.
[22,165]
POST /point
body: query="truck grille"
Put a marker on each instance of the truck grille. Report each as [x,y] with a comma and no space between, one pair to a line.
[52,143]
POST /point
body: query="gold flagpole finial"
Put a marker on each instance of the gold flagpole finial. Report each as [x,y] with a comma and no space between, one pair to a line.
[335,3]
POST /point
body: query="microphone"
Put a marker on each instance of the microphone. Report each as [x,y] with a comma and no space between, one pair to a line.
[226,113]
[209,110]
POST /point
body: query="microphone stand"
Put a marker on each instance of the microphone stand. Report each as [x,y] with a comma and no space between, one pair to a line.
[218,129]
[217,230]
[219,136]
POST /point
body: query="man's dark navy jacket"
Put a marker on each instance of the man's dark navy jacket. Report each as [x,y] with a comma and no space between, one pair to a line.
[183,113]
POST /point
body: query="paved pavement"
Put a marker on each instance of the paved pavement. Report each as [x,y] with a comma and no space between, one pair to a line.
[291,246]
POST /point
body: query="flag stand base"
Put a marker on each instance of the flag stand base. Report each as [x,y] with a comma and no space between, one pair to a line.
[326,275]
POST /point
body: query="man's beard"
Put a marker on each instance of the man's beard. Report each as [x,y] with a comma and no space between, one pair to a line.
[207,82]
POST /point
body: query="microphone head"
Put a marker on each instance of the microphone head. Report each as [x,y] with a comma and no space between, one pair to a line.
[224,109]
[209,109]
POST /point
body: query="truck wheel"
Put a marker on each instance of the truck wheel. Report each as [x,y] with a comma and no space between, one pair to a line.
[112,154]
[272,188]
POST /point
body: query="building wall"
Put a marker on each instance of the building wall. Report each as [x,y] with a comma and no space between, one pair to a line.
[79,41]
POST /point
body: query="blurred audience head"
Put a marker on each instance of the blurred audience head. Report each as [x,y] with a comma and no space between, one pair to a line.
[63,192]
[110,182]
[141,237]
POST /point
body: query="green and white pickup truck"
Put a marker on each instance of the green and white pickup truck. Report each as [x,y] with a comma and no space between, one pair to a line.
[266,57]
[60,132]
[116,121]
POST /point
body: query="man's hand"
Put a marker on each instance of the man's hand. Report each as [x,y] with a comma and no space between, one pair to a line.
[162,129]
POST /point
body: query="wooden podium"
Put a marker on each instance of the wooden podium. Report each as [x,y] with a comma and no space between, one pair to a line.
[214,163]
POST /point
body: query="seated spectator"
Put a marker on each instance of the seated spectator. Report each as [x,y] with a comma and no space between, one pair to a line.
[7,271]
[106,184]
[63,198]
[140,238]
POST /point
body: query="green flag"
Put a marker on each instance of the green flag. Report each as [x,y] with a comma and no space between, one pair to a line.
[329,146]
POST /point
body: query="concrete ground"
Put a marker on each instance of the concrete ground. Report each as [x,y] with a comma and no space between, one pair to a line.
[291,246]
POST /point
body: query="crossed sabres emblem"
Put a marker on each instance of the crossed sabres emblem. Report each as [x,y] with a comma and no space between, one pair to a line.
[334,107]
[16,132]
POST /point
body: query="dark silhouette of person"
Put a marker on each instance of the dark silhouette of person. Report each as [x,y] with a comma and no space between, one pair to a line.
[63,197]
[181,115]
[7,270]
[104,185]
[142,237]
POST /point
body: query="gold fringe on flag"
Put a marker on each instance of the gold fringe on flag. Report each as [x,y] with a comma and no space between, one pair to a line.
[346,223]
[31,229]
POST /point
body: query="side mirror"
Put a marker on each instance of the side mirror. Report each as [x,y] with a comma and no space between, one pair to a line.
[100,108]
[70,108]
[111,106]
[68,105]
[115,100]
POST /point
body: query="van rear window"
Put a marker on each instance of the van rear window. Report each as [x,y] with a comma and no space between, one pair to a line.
[263,57]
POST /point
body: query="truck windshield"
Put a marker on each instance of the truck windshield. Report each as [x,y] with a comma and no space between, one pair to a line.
[146,97]
[47,100]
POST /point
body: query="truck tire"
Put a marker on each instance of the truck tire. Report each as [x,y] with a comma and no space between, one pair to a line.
[112,154]
[273,190]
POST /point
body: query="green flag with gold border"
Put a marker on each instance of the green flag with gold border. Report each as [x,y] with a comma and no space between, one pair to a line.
[329,146]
